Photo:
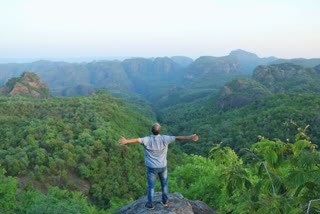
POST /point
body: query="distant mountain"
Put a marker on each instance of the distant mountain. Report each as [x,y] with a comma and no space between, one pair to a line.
[209,64]
[208,74]
[109,75]
[162,80]
[244,55]
[237,63]
[307,63]
[28,84]
[182,60]
[248,61]
[153,77]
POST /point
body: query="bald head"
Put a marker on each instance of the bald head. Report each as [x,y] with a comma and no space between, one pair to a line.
[156,129]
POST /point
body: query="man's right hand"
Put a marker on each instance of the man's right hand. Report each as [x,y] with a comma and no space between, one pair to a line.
[122,140]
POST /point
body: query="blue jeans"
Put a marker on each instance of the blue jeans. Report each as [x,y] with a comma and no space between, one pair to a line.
[152,177]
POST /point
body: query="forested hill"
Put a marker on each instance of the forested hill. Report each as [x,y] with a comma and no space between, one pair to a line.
[56,145]
[140,75]
[61,153]
[276,101]
[163,81]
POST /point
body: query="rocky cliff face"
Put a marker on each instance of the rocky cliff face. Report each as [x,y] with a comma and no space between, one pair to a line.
[177,205]
[28,84]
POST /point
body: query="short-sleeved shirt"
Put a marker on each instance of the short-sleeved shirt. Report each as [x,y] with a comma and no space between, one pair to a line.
[155,150]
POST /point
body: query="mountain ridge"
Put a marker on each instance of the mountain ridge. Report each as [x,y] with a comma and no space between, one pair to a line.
[63,75]
[161,80]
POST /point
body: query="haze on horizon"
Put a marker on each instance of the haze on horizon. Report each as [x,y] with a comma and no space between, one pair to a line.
[45,29]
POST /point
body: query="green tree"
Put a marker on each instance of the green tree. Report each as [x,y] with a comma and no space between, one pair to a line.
[8,192]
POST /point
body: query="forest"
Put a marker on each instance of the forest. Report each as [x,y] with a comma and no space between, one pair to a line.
[256,154]
[62,154]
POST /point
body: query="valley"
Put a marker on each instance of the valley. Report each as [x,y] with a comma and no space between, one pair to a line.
[61,123]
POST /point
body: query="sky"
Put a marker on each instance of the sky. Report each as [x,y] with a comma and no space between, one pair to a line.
[58,29]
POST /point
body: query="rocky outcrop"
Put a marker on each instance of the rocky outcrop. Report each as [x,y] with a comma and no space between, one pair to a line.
[206,66]
[28,84]
[177,205]
[270,74]
[288,78]
[241,92]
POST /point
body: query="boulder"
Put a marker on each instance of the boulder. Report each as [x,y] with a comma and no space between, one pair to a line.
[177,205]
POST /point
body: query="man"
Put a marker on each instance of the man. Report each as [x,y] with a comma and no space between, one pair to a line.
[155,154]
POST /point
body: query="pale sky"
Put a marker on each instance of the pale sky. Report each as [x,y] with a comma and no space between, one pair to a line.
[44,29]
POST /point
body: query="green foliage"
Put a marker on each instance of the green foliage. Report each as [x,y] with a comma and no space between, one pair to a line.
[288,78]
[8,192]
[71,143]
[59,201]
[270,177]
[197,179]
[63,155]
[241,92]
[271,117]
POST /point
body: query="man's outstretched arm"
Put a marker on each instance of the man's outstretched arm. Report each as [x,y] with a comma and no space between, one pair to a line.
[193,137]
[124,141]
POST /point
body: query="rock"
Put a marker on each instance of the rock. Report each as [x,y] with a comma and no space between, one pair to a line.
[240,92]
[177,205]
[28,84]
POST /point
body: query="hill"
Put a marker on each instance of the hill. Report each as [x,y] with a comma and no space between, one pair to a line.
[70,143]
[274,103]
[267,80]
[28,84]
[240,92]
[307,63]
[284,78]
[61,153]
[172,80]
[203,75]
[162,81]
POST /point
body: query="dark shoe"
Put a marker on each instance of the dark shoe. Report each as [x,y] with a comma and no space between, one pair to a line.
[149,206]
[165,204]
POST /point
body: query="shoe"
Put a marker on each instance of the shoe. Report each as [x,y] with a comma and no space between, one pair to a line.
[149,206]
[165,204]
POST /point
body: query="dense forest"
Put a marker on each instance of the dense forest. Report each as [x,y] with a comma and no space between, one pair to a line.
[257,153]
[57,144]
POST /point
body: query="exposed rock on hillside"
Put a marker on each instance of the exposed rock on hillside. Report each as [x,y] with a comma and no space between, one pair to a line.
[284,78]
[238,93]
[177,205]
[270,74]
[213,65]
[28,84]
